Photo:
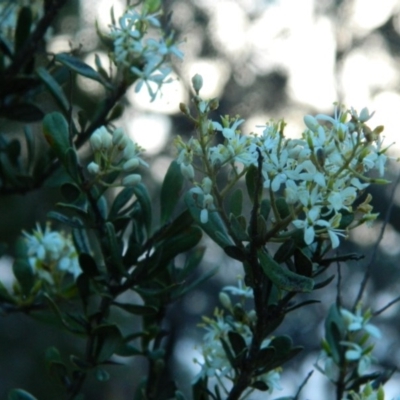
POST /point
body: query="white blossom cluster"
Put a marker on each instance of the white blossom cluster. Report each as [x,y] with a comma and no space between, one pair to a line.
[51,253]
[214,362]
[115,152]
[320,174]
[146,58]
[359,351]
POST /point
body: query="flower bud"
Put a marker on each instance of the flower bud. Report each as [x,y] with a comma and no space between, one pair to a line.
[187,171]
[213,104]
[95,141]
[184,108]
[118,136]
[131,165]
[365,115]
[311,123]
[131,180]
[197,82]
[207,185]
[225,300]
[93,168]
[106,139]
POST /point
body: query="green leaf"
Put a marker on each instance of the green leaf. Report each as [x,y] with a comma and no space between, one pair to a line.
[100,69]
[260,385]
[285,251]
[23,29]
[55,130]
[168,250]
[55,366]
[114,248]
[80,238]
[108,339]
[251,180]
[79,363]
[30,145]
[73,222]
[214,224]
[115,112]
[54,88]
[264,356]
[237,228]
[20,394]
[335,331]
[127,350]
[24,274]
[171,190]
[52,354]
[83,286]
[145,203]
[200,389]
[346,220]
[228,352]
[72,164]
[88,264]
[235,253]
[61,316]
[304,265]
[79,66]
[281,344]
[192,261]
[325,282]
[265,208]
[137,309]
[238,343]
[282,207]
[122,198]
[177,226]
[236,202]
[70,192]
[282,277]
[183,289]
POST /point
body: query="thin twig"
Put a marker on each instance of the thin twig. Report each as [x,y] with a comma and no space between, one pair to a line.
[394,301]
[303,384]
[375,249]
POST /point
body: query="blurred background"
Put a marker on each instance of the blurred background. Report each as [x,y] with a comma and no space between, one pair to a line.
[263,59]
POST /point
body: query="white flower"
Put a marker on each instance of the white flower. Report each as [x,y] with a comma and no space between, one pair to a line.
[134,47]
[272,379]
[51,251]
[358,321]
[228,131]
[357,353]
[240,290]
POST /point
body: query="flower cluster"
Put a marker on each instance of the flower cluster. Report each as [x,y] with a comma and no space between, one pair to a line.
[356,331]
[51,254]
[142,57]
[114,152]
[215,361]
[319,175]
